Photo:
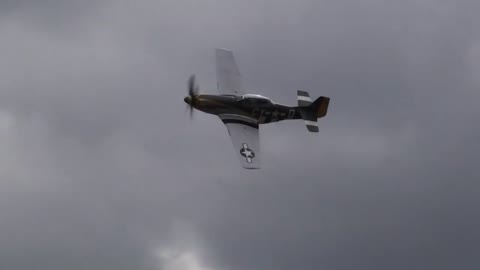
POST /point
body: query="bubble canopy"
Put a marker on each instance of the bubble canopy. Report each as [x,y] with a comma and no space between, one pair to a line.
[256,98]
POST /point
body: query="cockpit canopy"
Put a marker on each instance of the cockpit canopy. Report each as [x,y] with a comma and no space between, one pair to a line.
[256,99]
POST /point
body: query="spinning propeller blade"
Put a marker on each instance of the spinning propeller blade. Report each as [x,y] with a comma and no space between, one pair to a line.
[192,93]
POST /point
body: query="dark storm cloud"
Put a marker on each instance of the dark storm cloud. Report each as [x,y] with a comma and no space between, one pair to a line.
[102,169]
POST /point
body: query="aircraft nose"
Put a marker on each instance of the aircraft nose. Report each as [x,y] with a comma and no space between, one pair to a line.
[188,99]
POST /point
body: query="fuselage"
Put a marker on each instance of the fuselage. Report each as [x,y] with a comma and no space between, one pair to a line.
[258,108]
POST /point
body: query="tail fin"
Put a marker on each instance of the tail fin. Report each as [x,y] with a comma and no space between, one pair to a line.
[311,111]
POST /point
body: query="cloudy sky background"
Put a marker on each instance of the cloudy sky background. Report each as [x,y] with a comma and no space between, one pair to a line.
[101,167]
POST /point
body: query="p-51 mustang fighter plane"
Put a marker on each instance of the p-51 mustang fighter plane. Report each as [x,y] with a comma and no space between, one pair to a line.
[242,113]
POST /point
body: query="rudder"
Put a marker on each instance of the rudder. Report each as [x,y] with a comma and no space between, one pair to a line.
[320,105]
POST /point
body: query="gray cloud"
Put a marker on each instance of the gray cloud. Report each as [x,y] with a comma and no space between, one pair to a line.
[102,169]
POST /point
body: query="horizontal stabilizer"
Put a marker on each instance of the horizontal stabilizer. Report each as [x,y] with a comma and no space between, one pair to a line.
[303,98]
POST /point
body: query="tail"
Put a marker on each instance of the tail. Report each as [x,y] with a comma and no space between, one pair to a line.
[311,111]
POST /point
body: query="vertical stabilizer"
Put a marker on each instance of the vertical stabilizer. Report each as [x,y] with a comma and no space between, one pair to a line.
[311,111]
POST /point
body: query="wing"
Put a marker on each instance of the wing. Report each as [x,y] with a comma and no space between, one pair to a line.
[245,137]
[229,80]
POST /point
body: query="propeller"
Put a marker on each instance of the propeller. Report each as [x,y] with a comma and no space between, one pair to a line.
[192,93]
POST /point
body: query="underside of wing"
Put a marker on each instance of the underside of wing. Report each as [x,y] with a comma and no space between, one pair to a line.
[229,79]
[245,137]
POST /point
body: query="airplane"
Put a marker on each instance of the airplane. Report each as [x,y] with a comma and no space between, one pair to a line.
[242,112]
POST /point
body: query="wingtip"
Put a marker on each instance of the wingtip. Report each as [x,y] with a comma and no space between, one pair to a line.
[252,168]
[223,49]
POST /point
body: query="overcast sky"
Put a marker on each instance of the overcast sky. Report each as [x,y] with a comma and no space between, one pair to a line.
[101,167]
